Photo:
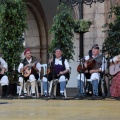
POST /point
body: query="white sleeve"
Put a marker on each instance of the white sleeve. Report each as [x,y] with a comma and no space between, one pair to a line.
[111,60]
[66,64]
[115,59]
[87,57]
[38,66]
[20,66]
[4,64]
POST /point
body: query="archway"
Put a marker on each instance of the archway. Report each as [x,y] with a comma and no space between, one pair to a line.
[36,35]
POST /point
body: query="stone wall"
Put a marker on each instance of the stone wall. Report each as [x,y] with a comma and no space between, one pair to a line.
[98,15]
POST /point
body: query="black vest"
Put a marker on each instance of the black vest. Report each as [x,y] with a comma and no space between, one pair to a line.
[25,62]
[98,62]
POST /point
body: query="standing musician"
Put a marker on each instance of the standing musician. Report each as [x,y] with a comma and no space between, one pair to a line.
[115,87]
[99,66]
[3,78]
[30,69]
[59,70]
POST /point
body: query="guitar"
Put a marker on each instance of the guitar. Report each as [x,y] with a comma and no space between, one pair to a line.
[48,69]
[90,64]
[114,68]
[28,70]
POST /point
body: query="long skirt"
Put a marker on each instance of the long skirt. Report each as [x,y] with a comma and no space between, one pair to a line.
[115,87]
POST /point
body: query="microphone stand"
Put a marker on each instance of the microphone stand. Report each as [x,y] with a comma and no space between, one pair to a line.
[103,77]
[108,88]
[106,82]
[53,71]
[47,76]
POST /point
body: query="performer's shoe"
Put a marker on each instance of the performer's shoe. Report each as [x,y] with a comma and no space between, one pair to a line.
[33,95]
[23,96]
[108,95]
[80,97]
[52,97]
[6,97]
[96,97]
[44,95]
[62,95]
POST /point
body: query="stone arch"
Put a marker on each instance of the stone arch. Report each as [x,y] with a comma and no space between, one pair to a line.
[36,36]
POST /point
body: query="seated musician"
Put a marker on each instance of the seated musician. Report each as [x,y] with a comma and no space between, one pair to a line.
[59,70]
[99,66]
[29,62]
[3,78]
[115,87]
[115,59]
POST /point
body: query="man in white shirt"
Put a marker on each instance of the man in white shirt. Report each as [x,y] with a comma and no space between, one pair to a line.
[100,66]
[3,78]
[59,70]
[29,63]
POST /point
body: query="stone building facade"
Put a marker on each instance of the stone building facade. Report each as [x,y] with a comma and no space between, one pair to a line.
[40,15]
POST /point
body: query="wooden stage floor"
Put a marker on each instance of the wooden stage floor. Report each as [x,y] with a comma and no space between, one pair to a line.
[37,109]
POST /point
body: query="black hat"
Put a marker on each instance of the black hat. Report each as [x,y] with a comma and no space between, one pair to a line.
[58,48]
[95,46]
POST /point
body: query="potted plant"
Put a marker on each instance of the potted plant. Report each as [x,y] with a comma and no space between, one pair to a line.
[61,30]
[82,26]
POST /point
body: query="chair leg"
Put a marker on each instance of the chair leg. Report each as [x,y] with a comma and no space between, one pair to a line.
[21,87]
[20,91]
[36,87]
[65,94]
[28,88]
[55,88]
[41,85]
[50,89]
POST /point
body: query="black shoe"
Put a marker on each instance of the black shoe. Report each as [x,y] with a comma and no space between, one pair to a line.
[108,95]
[21,96]
[76,97]
[82,97]
[79,97]
[62,95]
[52,97]
[33,95]
[44,95]
[96,97]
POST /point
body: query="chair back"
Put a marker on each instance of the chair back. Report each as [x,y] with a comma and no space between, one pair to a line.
[44,66]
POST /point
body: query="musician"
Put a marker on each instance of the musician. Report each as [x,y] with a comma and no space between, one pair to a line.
[59,70]
[29,61]
[100,66]
[115,87]
[3,78]
[115,59]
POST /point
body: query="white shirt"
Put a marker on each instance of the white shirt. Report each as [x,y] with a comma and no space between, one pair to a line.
[38,65]
[3,64]
[59,61]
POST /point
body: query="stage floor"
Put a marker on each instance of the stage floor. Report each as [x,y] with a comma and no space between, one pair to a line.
[37,109]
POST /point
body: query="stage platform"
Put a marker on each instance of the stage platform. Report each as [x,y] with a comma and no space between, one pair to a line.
[37,109]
